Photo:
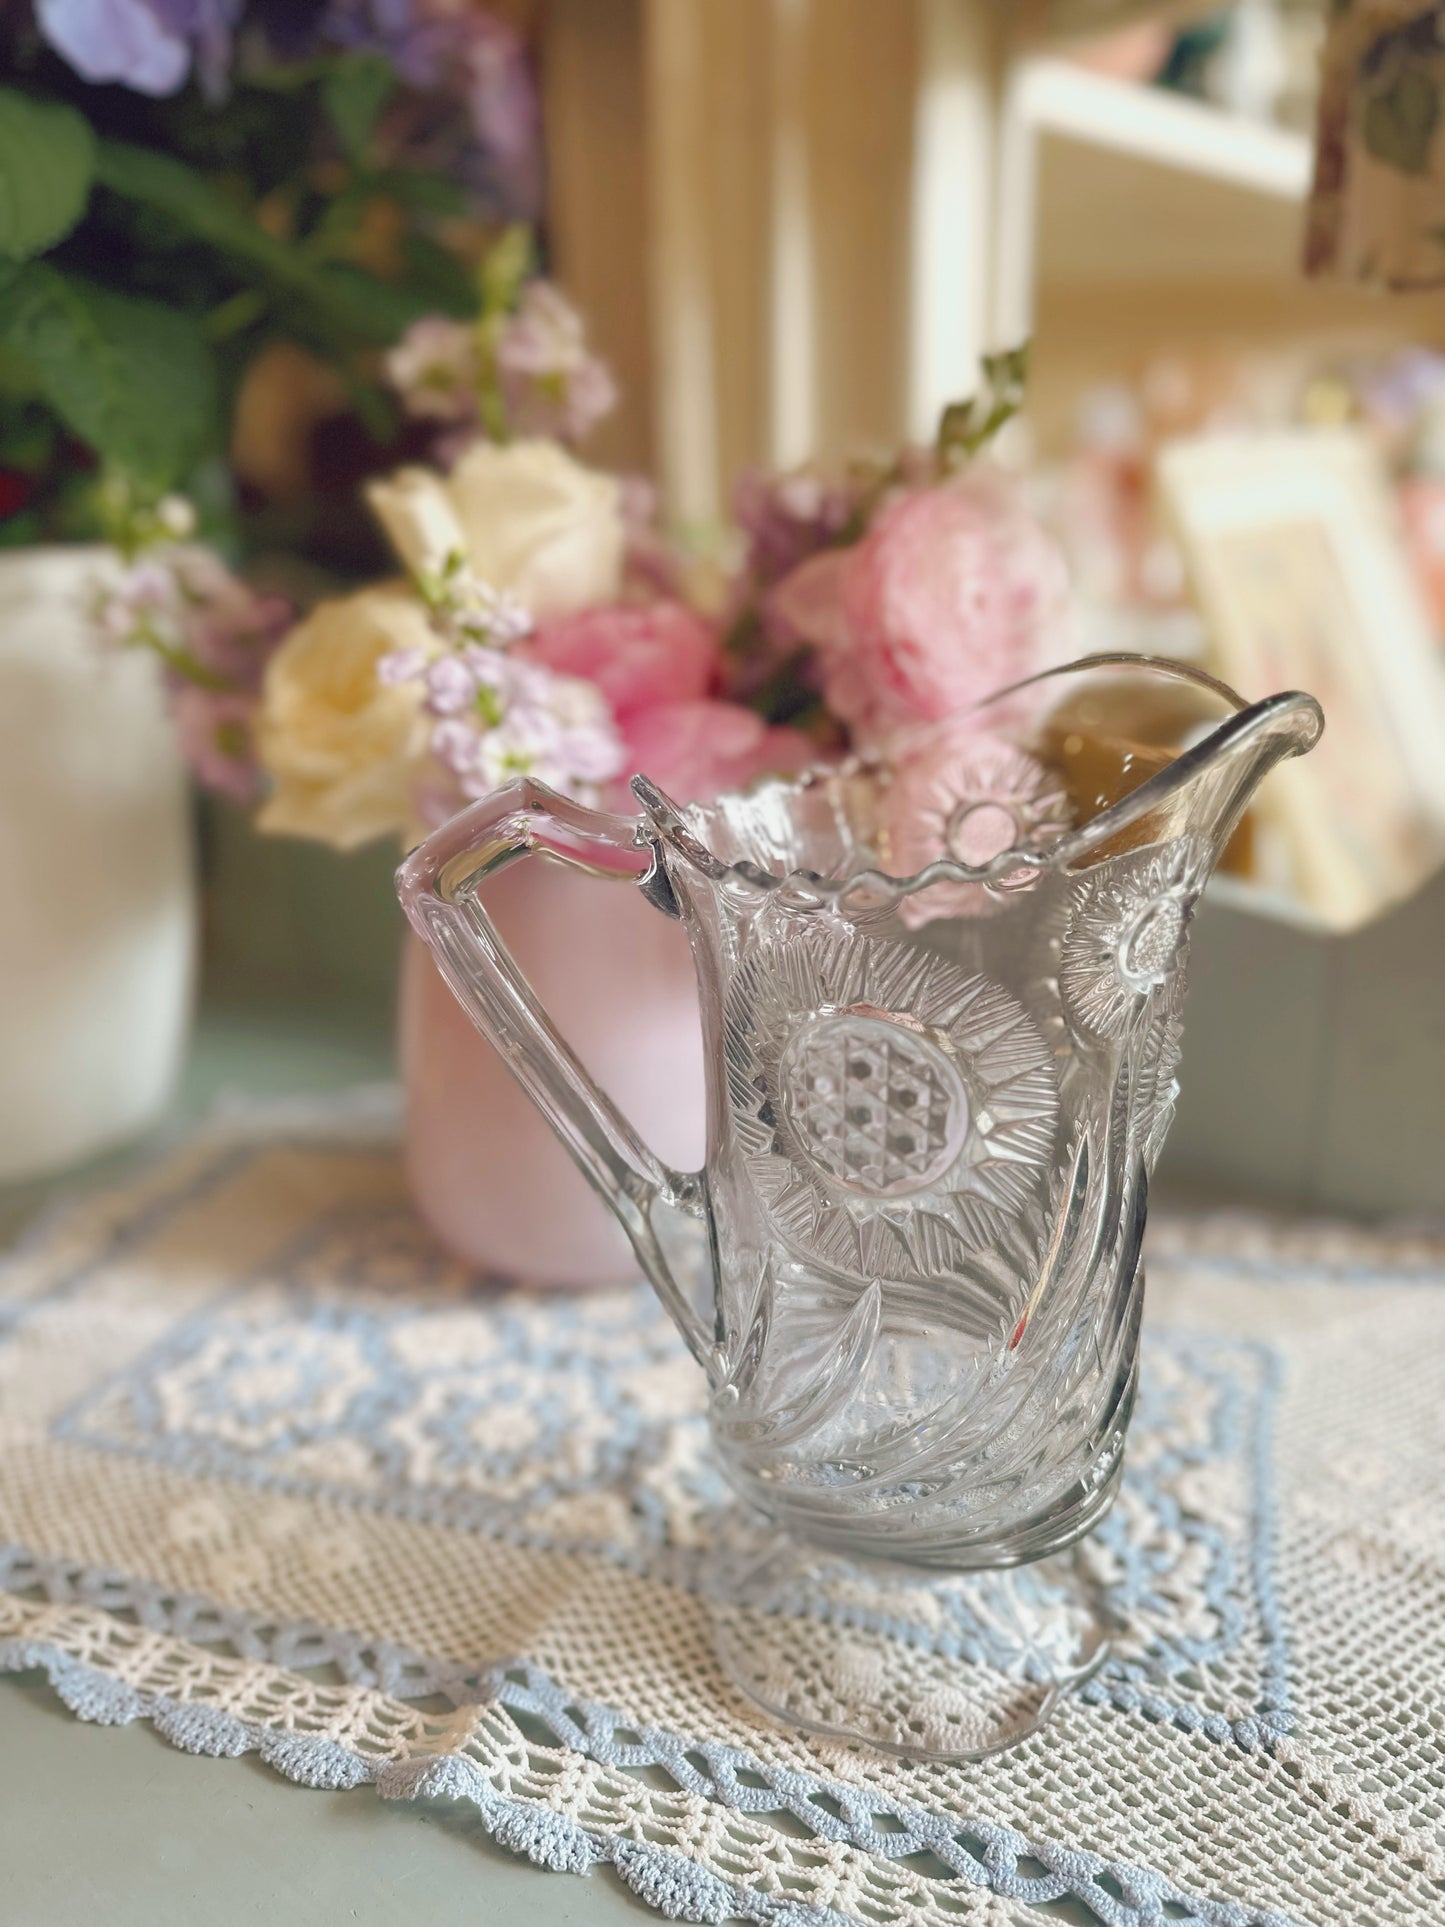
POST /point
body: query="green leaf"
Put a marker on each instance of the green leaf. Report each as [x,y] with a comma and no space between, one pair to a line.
[383,311]
[426,193]
[353,92]
[1398,124]
[131,378]
[965,427]
[437,277]
[341,301]
[47,163]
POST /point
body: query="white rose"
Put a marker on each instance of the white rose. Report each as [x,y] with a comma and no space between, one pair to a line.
[416,512]
[526,517]
[344,749]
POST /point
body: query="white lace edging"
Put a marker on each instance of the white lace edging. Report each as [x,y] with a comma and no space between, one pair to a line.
[665,1880]
[523,1735]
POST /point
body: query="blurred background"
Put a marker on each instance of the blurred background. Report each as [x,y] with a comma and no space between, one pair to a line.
[794,227]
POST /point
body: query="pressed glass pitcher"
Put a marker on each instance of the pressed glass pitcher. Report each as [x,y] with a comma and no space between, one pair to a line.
[941,998]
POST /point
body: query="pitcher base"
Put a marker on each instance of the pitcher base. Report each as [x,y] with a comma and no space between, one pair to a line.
[943,1667]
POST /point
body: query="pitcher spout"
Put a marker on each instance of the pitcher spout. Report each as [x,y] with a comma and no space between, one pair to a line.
[1204,791]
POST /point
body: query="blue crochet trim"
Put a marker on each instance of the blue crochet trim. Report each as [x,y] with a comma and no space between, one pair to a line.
[979,1853]
[666,1881]
[1241,1425]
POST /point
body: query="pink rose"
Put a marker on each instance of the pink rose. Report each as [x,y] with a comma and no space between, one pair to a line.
[637,654]
[695,750]
[953,593]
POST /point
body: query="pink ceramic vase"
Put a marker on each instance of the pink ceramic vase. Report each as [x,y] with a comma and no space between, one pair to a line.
[485,1171]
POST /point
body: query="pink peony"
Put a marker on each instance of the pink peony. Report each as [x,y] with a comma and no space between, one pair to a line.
[953,593]
[695,750]
[638,654]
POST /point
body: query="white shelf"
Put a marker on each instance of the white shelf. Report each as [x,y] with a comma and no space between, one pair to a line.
[1106,183]
[1163,129]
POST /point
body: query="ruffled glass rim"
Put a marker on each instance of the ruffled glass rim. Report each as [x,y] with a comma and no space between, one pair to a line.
[1287,724]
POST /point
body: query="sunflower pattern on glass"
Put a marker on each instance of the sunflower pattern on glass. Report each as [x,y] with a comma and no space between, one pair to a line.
[894,1111]
[967,797]
[1128,934]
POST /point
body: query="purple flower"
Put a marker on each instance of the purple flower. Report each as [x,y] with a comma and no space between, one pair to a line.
[227,626]
[401,666]
[417,44]
[214,730]
[455,746]
[207,26]
[787,518]
[139,603]
[450,686]
[477,69]
[557,728]
[146,45]
[554,387]
[434,369]
[116,40]
[502,98]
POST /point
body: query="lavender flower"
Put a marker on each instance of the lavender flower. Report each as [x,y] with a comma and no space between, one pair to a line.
[787,518]
[229,628]
[214,728]
[551,384]
[467,612]
[547,381]
[419,41]
[207,26]
[116,40]
[503,718]
[139,605]
[499,716]
[441,47]
[434,369]
[451,685]
[501,95]
[214,634]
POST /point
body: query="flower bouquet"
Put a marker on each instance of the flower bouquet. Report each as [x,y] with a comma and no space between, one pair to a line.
[545,627]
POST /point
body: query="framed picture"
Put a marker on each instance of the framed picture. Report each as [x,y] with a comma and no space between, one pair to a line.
[1293,548]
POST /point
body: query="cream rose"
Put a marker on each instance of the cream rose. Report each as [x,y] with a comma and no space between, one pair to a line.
[526,517]
[343,749]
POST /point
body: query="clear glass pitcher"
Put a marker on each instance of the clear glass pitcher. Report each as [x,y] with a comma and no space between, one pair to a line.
[941,998]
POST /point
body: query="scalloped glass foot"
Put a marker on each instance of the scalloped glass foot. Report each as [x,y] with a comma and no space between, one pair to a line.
[951,1667]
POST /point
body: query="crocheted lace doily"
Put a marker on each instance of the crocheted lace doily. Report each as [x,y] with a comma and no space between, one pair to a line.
[277,1476]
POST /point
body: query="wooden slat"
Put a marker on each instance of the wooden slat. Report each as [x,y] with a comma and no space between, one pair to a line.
[597,201]
[862,60]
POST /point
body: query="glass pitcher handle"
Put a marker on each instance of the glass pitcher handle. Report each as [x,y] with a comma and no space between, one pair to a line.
[438,885]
